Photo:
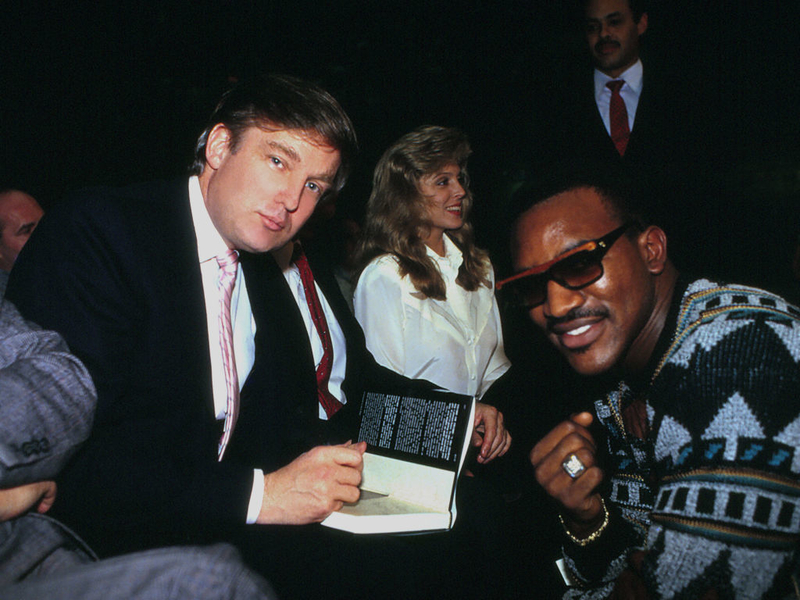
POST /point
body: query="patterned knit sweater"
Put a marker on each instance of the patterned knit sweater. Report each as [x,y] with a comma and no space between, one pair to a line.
[712,494]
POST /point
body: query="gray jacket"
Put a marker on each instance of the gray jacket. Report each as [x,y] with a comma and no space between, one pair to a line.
[47,403]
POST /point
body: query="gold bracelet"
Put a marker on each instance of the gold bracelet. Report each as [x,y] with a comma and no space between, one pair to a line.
[596,534]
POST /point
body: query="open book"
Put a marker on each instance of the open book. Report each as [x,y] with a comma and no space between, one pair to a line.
[416,445]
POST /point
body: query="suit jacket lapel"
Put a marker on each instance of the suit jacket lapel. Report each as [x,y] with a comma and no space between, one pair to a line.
[181,269]
[281,340]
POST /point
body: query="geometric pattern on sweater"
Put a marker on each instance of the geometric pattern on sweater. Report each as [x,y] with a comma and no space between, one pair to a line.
[630,477]
[728,308]
[734,572]
[743,507]
[713,492]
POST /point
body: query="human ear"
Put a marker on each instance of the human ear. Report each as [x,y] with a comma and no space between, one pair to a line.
[653,248]
[217,145]
[641,26]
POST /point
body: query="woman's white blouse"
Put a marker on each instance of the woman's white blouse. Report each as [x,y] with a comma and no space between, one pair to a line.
[455,343]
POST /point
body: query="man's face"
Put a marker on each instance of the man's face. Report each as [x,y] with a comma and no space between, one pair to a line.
[20,215]
[593,327]
[259,196]
[613,35]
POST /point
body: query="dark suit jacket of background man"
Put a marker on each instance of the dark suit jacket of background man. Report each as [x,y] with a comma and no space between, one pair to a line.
[654,139]
[116,272]
[669,154]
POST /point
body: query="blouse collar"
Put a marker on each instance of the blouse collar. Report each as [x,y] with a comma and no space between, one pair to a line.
[452,259]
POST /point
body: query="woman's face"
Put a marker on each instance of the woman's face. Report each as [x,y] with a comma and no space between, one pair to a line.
[445,195]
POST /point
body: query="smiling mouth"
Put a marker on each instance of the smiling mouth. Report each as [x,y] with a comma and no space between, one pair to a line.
[578,337]
[454,209]
[578,331]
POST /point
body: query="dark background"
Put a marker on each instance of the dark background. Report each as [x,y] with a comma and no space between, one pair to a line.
[110,92]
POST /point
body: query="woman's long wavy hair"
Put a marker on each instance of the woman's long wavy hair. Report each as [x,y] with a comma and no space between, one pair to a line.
[397,223]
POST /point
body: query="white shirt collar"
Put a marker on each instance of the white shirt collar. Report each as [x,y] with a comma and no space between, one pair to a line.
[209,242]
[632,76]
[452,258]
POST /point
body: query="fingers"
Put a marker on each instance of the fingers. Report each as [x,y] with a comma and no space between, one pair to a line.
[48,497]
[578,496]
[570,441]
[575,426]
[18,500]
[486,420]
[496,440]
[551,467]
[313,485]
[340,464]
[347,454]
[583,419]
[505,444]
[498,447]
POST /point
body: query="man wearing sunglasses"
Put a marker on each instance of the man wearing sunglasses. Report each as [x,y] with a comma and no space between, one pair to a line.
[693,490]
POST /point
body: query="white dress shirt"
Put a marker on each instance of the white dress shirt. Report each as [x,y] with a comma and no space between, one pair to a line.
[210,245]
[455,343]
[630,93]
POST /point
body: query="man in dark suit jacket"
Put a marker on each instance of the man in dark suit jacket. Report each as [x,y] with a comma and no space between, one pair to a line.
[669,129]
[613,31]
[123,274]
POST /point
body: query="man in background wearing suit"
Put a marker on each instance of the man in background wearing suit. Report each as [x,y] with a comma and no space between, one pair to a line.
[210,423]
[613,117]
[47,410]
[643,119]
[613,29]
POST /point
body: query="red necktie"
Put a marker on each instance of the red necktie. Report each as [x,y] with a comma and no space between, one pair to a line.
[326,399]
[620,132]
[226,279]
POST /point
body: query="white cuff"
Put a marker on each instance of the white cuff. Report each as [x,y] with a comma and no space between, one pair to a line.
[256,496]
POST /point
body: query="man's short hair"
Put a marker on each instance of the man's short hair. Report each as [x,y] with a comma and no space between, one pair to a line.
[622,195]
[280,101]
[638,8]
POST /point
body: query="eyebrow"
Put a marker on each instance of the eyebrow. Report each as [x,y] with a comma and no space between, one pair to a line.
[448,173]
[604,17]
[327,177]
[288,150]
[569,250]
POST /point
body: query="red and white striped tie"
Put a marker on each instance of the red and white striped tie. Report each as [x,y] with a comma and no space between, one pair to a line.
[226,280]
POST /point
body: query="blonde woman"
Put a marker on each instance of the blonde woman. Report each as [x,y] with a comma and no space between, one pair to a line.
[425,294]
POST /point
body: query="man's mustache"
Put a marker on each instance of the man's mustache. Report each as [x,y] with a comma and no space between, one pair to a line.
[573,315]
[601,43]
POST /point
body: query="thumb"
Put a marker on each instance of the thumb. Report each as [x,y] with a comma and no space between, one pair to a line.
[584,419]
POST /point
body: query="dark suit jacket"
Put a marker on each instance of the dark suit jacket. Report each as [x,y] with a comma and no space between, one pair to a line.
[116,272]
[656,140]
[669,155]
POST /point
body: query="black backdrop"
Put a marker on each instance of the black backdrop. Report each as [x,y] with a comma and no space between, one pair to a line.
[114,92]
